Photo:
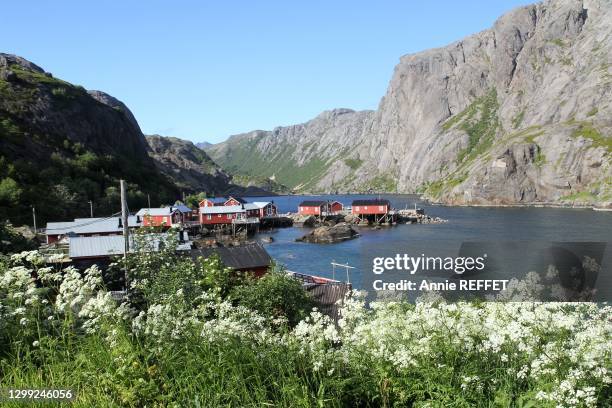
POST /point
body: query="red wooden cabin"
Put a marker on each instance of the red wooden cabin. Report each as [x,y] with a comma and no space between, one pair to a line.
[221,214]
[371,207]
[312,207]
[335,207]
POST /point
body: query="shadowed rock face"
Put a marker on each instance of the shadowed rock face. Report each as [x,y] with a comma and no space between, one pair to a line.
[186,164]
[517,113]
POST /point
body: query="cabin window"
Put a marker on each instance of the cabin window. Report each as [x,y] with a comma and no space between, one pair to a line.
[356,208]
[380,208]
[365,208]
[209,217]
[218,215]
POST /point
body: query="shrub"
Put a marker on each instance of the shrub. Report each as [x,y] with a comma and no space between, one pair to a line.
[275,294]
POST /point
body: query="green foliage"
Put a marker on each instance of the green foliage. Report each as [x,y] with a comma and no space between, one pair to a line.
[63,330]
[540,158]
[558,42]
[55,174]
[592,112]
[518,119]
[276,294]
[353,163]
[381,183]
[9,191]
[193,200]
[244,158]
[480,124]
[588,131]
[12,241]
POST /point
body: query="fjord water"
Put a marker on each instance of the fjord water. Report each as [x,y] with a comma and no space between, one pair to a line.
[465,224]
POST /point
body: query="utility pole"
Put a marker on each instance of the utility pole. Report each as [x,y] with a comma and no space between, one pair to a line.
[124,219]
[149,201]
[34,217]
[91,208]
[183,197]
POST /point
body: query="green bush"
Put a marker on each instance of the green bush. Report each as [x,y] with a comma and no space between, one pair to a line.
[276,294]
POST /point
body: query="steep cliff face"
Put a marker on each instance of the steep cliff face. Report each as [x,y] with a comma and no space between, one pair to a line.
[517,113]
[188,166]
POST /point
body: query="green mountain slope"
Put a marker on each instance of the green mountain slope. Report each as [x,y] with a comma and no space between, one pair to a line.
[61,147]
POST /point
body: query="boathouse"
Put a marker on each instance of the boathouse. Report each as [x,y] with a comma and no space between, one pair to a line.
[376,210]
[261,209]
[335,207]
[161,217]
[221,214]
[312,207]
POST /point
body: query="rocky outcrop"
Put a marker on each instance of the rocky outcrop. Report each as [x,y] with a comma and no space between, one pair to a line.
[330,234]
[203,145]
[518,113]
[189,167]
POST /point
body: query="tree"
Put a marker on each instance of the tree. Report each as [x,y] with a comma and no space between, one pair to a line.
[9,191]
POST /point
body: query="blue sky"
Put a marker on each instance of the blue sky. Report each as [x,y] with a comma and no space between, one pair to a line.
[204,70]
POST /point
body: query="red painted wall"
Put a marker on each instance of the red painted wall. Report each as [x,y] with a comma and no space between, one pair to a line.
[370,209]
[156,221]
[232,201]
[309,210]
[217,218]
[336,206]
[207,203]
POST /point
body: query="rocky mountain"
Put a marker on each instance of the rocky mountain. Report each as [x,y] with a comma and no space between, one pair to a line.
[62,146]
[518,113]
[188,166]
[203,145]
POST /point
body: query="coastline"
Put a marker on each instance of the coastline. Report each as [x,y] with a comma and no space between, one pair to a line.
[485,205]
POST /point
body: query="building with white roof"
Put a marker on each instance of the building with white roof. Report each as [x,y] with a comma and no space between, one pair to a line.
[87,227]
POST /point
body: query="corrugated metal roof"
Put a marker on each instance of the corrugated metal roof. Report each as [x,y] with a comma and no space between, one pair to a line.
[111,245]
[84,247]
[182,208]
[246,256]
[222,209]
[89,226]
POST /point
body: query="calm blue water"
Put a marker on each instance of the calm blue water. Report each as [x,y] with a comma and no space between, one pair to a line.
[465,224]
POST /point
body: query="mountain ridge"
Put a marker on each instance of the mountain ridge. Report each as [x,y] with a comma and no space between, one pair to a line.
[517,113]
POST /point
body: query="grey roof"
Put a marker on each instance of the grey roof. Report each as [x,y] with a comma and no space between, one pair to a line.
[246,256]
[84,247]
[89,226]
[111,245]
[262,204]
[182,208]
[312,203]
[222,209]
[156,211]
